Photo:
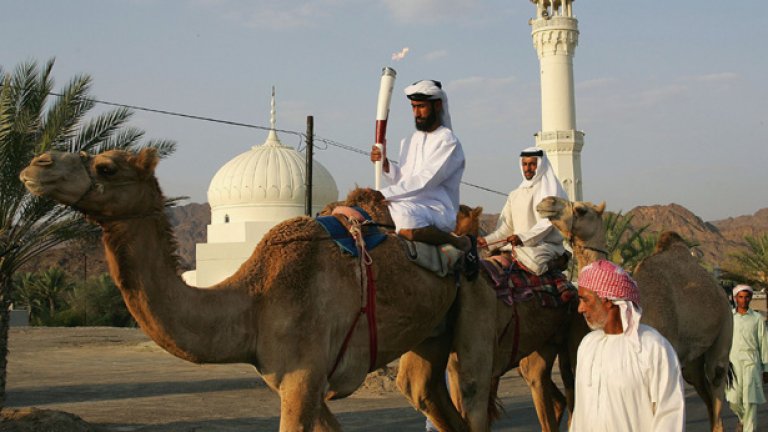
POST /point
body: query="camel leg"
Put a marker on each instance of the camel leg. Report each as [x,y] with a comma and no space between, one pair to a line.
[474,342]
[302,406]
[549,402]
[693,372]
[421,378]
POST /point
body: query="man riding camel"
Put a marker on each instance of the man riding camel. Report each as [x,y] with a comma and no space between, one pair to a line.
[520,230]
[423,195]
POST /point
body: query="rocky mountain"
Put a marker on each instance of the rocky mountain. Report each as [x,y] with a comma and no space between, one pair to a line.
[716,239]
[715,242]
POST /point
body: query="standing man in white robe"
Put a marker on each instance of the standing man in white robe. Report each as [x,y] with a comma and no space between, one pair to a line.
[627,374]
[531,239]
[749,356]
[423,195]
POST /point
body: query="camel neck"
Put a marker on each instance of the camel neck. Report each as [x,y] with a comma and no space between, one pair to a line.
[141,257]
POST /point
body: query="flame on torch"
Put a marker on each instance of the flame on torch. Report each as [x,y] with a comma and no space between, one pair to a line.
[400,55]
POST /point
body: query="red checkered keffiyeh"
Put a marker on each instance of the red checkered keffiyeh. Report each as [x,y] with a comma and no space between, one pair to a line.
[609,281]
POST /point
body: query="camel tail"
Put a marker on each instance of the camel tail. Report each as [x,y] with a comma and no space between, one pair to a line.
[495,408]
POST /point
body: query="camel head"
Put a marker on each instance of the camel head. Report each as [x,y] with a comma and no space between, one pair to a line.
[373,202]
[112,185]
[579,219]
[468,220]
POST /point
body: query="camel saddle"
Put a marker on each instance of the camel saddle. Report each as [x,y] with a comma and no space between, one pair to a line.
[513,283]
[442,260]
[337,225]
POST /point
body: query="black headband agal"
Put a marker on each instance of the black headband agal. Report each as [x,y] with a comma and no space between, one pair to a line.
[539,153]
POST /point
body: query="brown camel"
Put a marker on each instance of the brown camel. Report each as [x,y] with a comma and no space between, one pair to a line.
[535,365]
[679,298]
[289,308]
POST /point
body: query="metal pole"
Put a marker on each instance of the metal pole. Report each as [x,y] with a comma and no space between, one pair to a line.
[308,181]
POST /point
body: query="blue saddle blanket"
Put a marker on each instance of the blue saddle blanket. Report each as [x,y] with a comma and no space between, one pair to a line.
[372,234]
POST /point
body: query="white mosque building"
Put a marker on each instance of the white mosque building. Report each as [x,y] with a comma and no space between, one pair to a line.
[248,196]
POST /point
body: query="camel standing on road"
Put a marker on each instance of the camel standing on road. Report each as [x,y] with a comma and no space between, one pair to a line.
[679,298]
[536,366]
[293,309]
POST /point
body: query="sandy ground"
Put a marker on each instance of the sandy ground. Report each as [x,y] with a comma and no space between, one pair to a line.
[118,380]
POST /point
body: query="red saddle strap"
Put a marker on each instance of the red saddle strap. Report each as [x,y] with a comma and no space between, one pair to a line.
[370,311]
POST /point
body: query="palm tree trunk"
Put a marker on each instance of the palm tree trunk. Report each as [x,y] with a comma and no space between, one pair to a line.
[5,321]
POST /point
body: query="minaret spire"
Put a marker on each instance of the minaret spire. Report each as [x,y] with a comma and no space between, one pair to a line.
[555,35]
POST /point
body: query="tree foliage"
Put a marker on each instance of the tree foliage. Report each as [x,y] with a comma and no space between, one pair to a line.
[34,119]
[752,264]
[625,244]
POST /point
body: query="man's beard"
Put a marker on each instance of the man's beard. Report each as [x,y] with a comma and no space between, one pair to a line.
[425,124]
[599,324]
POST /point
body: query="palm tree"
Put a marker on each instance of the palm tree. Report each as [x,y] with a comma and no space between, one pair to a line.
[753,263]
[625,244]
[33,119]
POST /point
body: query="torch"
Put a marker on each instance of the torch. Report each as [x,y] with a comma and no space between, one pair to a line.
[382,113]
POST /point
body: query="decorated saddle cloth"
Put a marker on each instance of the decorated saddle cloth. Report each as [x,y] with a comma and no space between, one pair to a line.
[339,232]
[514,283]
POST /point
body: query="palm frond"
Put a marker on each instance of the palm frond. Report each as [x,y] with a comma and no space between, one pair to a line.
[65,114]
[99,134]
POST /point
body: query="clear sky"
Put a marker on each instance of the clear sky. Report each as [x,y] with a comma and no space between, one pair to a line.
[671,95]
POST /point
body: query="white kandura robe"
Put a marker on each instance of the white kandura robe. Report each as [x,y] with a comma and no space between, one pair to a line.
[541,241]
[621,389]
[424,189]
[749,356]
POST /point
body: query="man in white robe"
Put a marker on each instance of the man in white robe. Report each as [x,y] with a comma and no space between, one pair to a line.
[627,375]
[531,239]
[423,191]
[749,356]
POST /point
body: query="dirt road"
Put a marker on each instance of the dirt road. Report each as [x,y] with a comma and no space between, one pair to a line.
[118,379]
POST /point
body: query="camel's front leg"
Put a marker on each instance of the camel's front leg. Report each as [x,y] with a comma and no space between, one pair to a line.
[548,400]
[421,378]
[302,404]
[474,343]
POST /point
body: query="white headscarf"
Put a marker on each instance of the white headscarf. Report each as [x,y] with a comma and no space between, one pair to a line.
[430,90]
[739,288]
[545,177]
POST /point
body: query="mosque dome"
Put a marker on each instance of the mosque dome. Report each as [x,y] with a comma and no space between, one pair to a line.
[268,176]
[269,173]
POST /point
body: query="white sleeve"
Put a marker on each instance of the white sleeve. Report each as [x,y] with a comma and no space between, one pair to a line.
[504,226]
[443,162]
[666,389]
[536,234]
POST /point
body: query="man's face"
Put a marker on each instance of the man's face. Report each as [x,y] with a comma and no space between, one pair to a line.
[742,299]
[425,114]
[530,164]
[594,309]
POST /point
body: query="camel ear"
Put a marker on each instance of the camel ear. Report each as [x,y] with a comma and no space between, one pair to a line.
[600,208]
[477,211]
[147,160]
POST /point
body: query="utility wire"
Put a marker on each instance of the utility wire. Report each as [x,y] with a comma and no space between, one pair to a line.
[302,136]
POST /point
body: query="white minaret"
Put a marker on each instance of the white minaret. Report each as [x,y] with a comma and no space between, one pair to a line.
[555,35]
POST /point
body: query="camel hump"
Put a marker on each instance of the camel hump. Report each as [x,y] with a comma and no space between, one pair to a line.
[667,239]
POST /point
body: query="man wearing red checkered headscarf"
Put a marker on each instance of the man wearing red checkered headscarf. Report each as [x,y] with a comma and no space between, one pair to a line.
[627,374]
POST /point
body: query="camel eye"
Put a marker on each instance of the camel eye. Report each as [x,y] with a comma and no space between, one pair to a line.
[106,170]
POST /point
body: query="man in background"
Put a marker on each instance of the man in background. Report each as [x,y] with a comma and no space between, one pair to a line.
[749,356]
